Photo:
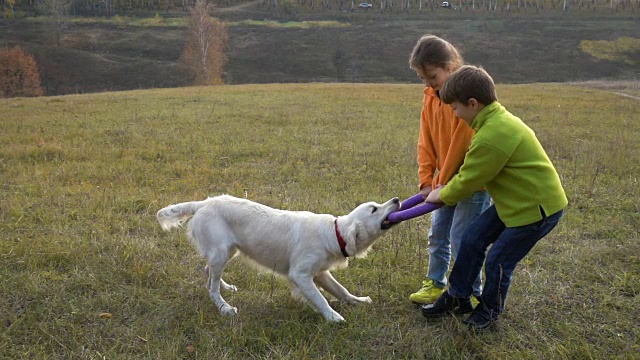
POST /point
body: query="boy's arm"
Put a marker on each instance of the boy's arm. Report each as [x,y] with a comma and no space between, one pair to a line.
[482,163]
[426,152]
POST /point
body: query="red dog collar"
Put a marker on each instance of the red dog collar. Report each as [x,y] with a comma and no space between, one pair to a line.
[343,245]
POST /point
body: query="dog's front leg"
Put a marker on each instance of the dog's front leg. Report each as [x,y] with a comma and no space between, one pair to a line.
[331,285]
[308,289]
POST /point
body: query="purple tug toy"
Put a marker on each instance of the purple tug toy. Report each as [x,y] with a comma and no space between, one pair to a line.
[409,210]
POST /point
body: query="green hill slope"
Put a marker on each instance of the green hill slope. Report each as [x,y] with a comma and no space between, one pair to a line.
[105,55]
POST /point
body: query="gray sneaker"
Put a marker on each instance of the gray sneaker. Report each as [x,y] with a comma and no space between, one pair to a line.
[481,317]
[446,305]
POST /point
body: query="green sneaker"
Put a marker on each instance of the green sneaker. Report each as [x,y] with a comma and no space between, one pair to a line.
[428,294]
[474,301]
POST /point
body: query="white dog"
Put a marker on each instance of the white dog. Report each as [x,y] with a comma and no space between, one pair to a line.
[300,245]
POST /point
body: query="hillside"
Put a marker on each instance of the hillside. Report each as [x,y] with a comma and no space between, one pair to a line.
[105,54]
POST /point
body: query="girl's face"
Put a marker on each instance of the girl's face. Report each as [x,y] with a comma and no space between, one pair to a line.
[433,76]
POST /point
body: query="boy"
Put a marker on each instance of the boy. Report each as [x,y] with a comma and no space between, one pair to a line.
[507,159]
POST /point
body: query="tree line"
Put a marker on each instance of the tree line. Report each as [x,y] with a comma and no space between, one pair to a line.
[113,7]
[460,5]
[107,7]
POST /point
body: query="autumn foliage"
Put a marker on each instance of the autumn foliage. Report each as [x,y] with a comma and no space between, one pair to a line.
[205,43]
[19,74]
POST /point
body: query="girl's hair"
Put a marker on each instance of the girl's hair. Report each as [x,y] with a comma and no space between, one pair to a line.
[469,82]
[435,51]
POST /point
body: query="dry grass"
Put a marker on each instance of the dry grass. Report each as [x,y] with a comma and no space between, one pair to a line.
[87,272]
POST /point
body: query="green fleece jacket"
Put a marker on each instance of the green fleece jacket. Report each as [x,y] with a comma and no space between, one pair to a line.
[506,158]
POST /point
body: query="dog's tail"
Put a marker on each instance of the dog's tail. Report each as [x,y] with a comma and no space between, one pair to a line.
[174,215]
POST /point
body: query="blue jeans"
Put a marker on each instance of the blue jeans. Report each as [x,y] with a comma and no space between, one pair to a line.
[448,225]
[510,245]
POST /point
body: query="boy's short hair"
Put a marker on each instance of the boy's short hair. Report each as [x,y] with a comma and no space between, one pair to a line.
[469,82]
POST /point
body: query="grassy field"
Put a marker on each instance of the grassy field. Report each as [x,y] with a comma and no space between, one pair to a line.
[87,272]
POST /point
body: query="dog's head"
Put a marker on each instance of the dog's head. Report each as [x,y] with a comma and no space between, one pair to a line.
[361,227]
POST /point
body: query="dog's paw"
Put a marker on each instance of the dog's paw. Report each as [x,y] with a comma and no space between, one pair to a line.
[228,287]
[228,310]
[364,299]
[355,300]
[334,317]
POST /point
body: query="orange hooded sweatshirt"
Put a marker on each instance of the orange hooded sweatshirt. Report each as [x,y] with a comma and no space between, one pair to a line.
[443,141]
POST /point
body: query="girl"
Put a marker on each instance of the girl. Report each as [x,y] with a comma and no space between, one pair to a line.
[442,143]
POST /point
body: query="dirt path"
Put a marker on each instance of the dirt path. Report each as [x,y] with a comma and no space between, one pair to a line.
[611,86]
[235,8]
[627,95]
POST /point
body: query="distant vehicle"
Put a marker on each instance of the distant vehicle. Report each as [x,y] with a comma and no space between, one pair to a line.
[365,5]
[445,4]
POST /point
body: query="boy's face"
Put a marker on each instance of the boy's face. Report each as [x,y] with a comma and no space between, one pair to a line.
[433,76]
[468,111]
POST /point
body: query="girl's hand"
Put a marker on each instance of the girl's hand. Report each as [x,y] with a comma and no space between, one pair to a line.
[425,191]
[434,196]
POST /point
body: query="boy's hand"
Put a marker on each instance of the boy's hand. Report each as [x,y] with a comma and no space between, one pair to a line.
[434,196]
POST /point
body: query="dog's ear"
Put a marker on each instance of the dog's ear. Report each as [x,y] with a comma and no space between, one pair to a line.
[351,238]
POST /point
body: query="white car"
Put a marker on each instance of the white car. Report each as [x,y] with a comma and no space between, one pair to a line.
[365,5]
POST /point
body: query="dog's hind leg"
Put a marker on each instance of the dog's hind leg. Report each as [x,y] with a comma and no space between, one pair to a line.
[223,284]
[326,281]
[308,289]
[216,264]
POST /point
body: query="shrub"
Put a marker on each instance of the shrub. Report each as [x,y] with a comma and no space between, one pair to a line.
[624,49]
[19,74]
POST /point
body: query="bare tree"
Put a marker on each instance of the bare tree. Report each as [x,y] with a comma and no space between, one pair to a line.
[9,3]
[204,48]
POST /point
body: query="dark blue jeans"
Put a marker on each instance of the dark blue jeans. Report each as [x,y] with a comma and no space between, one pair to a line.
[510,245]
